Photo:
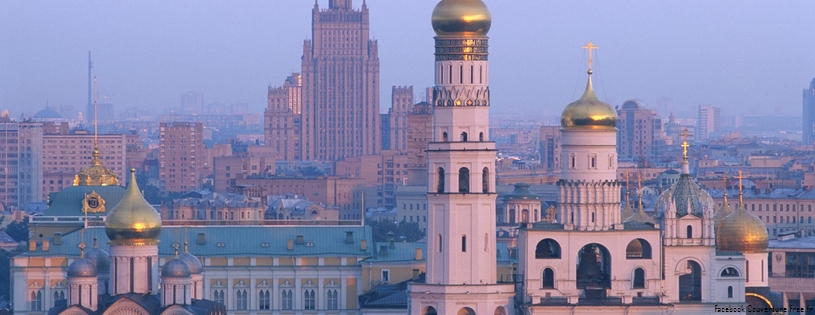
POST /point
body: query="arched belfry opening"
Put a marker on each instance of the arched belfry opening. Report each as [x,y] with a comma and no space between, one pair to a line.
[464,180]
[440,181]
[690,282]
[594,270]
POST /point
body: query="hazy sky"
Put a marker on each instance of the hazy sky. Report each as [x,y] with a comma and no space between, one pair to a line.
[749,57]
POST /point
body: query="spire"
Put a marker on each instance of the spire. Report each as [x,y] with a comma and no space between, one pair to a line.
[95,155]
[90,66]
[741,190]
[627,212]
[685,145]
[175,246]
[639,190]
[724,195]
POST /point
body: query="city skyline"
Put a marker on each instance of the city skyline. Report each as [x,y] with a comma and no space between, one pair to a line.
[744,57]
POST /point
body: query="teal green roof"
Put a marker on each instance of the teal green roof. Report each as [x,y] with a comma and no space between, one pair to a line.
[404,251]
[240,241]
[68,202]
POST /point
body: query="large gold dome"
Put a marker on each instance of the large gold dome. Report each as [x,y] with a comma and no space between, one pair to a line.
[589,112]
[133,221]
[742,231]
[461,17]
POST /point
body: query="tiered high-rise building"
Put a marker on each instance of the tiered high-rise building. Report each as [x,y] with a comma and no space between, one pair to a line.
[340,77]
[20,161]
[401,104]
[461,231]
[809,113]
[282,118]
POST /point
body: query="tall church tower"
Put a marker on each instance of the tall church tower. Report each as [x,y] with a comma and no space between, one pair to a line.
[340,85]
[589,190]
[461,261]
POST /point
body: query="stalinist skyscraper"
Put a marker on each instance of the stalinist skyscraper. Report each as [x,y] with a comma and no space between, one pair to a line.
[340,109]
[461,246]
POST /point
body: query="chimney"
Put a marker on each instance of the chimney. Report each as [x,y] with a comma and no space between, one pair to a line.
[32,246]
[418,255]
[58,238]
[363,245]
[390,240]
[300,240]
[202,239]
[415,274]
[290,244]
[349,237]
[383,251]
[46,245]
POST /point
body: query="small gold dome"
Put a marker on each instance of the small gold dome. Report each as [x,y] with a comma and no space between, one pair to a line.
[96,174]
[133,221]
[743,232]
[588,112]
[461,17]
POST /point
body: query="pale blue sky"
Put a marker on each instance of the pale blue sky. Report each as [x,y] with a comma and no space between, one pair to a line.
[750,57]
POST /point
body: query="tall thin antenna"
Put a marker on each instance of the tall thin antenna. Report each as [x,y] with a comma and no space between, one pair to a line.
[95,116]
[90,100]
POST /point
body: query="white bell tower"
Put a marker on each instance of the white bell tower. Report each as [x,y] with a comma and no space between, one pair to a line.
[461,235]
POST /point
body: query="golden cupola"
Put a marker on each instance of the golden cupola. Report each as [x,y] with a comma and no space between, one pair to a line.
[133,221]
[742,231]
[96,174]
[461,17]
[589,112]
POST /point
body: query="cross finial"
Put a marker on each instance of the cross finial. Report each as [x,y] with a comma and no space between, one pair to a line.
[175,246]
[741,187]
[724,177]
[590,47]
[685,144]
[639,188]
[82,249]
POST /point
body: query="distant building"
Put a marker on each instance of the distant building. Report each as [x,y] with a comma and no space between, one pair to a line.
[20,161]
[340,85]
[401,107]
[550,148]
[710,121]
[809,114]
[66,154]
[192,102]
[640,132]
[214,207]
[419,134]
[181,155]
[282,120]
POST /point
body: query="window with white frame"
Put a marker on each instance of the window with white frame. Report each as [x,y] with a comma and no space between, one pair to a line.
[242,298]
[36,300]
[264,300]
[218,296]
[309,299]
[572,161]
[287,300]
[332,299]
[386,276]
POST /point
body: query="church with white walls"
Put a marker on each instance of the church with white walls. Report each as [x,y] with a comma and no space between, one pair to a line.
[593,256]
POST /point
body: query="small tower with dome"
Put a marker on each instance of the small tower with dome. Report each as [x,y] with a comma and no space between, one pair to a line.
[175,282]
[196,271]
[83,289]
[133,227]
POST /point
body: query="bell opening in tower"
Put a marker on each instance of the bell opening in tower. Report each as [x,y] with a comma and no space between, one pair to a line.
[593,270]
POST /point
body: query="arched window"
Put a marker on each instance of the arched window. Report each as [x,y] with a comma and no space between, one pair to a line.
[524,216]
[730,291]
[512,216]
[638,249]
[481,136]
[689,231]
[440,181]
[444,136]
[485,180]
[729,272]
[463,137]
[547,249]
[463,180]
[548,280]
[639,278]
[464,243]
[429,311]
[690,283]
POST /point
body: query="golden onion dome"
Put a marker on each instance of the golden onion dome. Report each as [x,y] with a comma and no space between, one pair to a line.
[465,17]
[588,112]
[743,232]
[96,174]
[133,221]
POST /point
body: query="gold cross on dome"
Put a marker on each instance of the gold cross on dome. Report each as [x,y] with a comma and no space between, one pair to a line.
[590,47]
[741,186]
[685,144]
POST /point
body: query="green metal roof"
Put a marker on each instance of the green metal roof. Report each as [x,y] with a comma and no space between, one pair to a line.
[68,202]
[221,241]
